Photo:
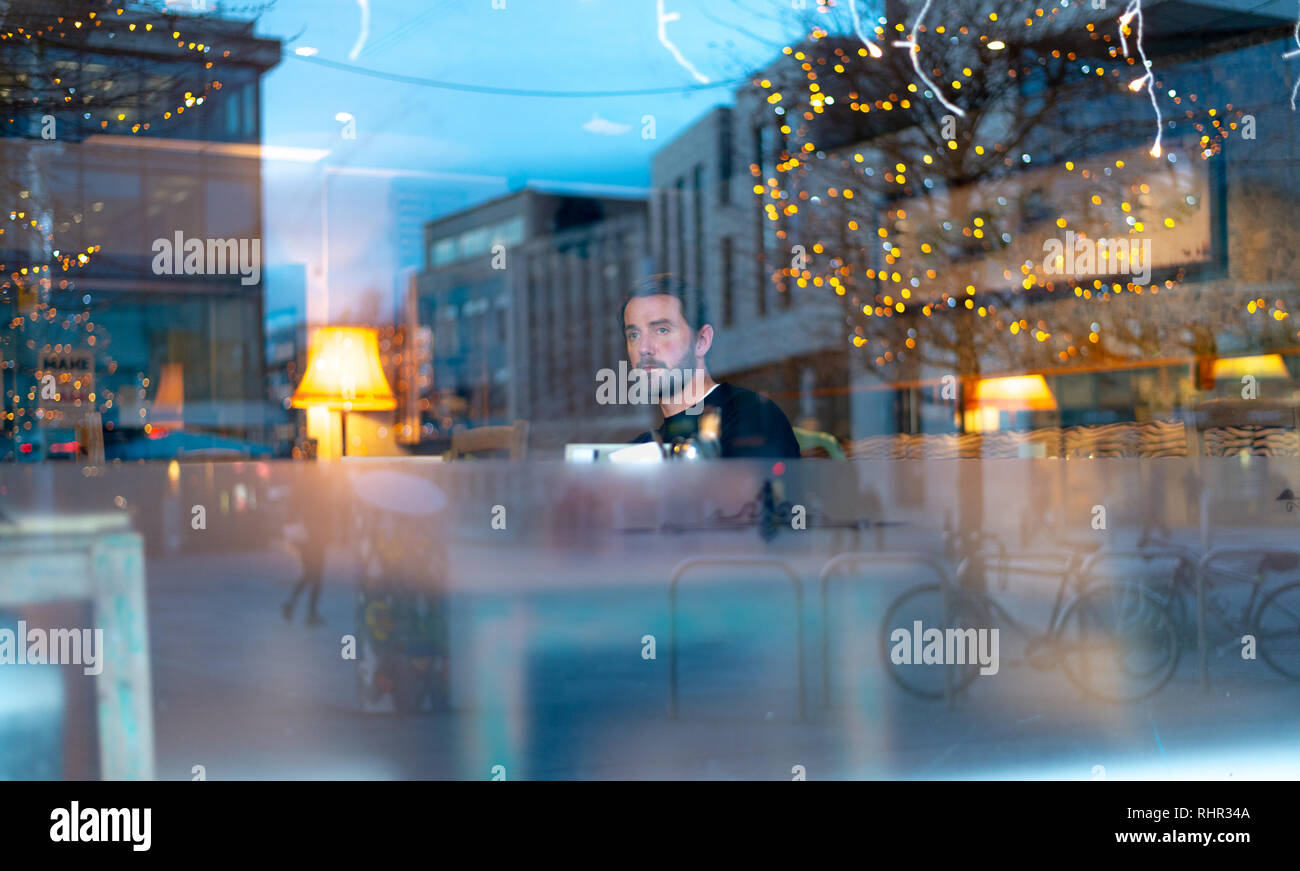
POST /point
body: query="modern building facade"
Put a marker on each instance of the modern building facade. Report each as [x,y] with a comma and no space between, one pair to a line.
[710,228]
[157,139]
[521,295]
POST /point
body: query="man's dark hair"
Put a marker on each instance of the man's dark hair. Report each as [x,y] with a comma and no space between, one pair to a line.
[695,310]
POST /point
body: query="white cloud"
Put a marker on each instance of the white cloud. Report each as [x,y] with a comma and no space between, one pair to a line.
[605,127]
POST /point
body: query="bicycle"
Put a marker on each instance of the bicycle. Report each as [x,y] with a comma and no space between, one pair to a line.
[1116,641]
[1273,619]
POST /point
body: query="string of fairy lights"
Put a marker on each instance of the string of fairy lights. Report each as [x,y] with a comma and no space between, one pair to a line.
[55,269]
[145,34]
[910,283]
[64,27]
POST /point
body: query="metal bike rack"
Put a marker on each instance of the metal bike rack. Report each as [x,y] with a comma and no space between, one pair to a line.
[1150,553]
[1007,561]
[846,559]
[768,562]
[1166,551]
[1202,569]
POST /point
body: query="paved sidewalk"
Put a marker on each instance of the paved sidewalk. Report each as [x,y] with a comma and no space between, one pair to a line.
[551,683]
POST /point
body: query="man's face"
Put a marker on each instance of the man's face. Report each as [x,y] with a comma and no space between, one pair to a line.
[658,338]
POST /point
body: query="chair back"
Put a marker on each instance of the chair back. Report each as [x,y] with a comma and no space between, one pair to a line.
[817,444]
[513,440]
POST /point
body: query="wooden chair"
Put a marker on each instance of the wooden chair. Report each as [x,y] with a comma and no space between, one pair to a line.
[513,440]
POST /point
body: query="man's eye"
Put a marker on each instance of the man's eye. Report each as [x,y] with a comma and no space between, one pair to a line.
[631,335]
[663,329]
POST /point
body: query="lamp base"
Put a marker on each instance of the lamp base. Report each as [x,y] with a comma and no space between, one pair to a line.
[321,426]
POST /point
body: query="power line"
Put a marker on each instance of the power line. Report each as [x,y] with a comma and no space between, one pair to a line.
[510,92]
[399,33]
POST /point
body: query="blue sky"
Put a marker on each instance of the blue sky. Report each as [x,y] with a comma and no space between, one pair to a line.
[603,45]
[440,150]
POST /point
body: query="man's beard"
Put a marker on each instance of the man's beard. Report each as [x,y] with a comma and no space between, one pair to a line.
[670,388]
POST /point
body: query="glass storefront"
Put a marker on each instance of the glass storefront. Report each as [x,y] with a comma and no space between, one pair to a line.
[982,465]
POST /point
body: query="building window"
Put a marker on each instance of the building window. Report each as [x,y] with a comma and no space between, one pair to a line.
[250,111]
[728,312]
[511,232]
[474,243]
[233,112]
[697,202]
[724,161]
[785,291]
[580,318]
[618,270]
[679,250]
[444,252]
[663,231]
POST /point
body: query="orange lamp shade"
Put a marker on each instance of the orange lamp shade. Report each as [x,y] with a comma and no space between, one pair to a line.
[344,373]
[1018,392]
[1260,366]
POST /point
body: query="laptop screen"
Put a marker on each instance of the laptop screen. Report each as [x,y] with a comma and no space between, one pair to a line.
[649,452]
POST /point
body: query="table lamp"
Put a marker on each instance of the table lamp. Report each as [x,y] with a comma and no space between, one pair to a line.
[344,374]
[1013,393]
[1258,365]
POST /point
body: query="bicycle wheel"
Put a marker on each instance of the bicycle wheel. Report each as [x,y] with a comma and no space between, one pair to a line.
[1175,592]
[1175,596]
[1277,630]
[1118,642]
[924,604]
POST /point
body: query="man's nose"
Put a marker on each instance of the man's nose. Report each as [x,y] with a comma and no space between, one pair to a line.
[645,347]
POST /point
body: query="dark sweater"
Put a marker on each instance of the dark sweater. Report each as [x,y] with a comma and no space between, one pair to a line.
[752,425]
